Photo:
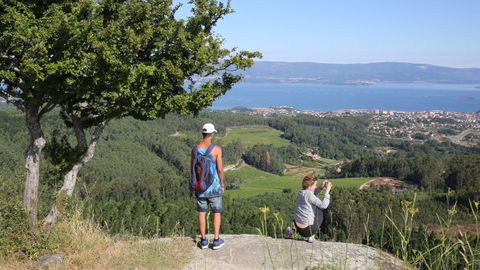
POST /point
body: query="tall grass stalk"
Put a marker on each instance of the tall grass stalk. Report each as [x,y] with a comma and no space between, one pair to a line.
[439,249]
[208,222]
[264,232]
[405,231]
[367,235]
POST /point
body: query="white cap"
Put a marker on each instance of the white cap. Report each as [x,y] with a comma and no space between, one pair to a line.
[208,128]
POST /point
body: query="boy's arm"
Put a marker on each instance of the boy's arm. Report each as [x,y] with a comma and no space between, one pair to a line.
[220,168]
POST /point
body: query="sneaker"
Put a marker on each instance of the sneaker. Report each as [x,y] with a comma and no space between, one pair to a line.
[203,243]
[218,243]
[288,233]
[311,239]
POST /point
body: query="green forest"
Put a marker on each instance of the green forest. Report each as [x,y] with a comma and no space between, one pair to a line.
[137,182]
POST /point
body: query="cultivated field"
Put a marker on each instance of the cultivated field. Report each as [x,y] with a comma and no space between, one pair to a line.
[256,182]
[251,135]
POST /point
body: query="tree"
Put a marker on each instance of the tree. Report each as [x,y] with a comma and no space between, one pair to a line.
[30,71]
[266,158]
[463,173]
[103,60]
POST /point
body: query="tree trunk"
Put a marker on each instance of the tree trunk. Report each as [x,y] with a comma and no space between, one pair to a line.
[70,178]
[82,146]
[32,164]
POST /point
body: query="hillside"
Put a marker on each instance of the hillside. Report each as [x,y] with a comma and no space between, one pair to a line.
[135,187]
[265,71]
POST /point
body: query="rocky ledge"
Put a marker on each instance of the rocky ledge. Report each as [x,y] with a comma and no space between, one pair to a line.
[258,252]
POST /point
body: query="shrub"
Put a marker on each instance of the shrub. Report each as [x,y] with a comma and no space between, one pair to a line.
[17,238]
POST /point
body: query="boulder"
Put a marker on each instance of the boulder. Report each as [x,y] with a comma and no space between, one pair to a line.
[259,252]
[49,261]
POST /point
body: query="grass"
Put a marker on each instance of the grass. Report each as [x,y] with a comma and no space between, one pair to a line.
[251,135]
[301,171]
[256,182]
[84,245]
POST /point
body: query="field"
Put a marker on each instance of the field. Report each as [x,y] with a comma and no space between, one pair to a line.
[309,167]
[256,182]
[251,135]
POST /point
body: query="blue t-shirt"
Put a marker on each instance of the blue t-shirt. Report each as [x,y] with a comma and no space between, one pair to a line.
[215,190]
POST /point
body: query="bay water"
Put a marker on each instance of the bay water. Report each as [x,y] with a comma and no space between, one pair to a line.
[385,96]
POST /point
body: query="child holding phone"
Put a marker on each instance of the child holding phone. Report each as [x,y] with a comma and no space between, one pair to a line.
[308,215]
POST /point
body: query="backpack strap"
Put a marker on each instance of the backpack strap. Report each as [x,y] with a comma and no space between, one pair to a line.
[195,151]
[209,149]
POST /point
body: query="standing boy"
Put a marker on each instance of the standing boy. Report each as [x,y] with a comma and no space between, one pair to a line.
[208,155]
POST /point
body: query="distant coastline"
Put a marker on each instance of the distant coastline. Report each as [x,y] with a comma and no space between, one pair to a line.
[359,74]
[407,97]
[347,82]
[286,110]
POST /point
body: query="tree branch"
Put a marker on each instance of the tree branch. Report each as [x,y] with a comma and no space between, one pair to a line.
[4,95]
[48,107]
[70,178]
[221,14]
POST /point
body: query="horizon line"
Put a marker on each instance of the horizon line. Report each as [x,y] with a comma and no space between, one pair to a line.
[364,63]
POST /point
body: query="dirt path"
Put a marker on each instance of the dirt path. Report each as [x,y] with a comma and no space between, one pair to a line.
[457,139]
[257,252]
[240,164]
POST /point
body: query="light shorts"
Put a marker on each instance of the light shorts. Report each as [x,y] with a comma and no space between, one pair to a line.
[215,204]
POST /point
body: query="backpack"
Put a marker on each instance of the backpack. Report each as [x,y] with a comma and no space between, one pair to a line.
[202,178]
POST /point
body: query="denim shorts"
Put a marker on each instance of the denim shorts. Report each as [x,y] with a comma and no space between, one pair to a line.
[215,204]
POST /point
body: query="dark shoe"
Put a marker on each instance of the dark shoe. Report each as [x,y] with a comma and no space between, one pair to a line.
[203,243]
[218,243]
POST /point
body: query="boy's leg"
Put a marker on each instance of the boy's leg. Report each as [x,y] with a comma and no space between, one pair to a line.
[217,220]
[202,207]
[217,208]
[201,224]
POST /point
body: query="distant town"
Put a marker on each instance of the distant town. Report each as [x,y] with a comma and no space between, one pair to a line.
[458,127]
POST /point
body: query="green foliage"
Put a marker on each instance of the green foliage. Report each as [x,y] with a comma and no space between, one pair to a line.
[265,158]
[105,60]
[393,124]
[232,182]
[447,131]
[17,239]
[233,152]
[335,138]
[430,171]
[14,228]
[463,173]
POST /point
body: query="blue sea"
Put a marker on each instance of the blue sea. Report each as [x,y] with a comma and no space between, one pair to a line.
[317,97]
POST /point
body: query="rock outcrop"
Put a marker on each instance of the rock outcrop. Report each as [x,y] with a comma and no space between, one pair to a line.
[258,252]
[50,261]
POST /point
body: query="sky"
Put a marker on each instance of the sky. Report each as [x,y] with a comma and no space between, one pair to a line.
[440,32]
